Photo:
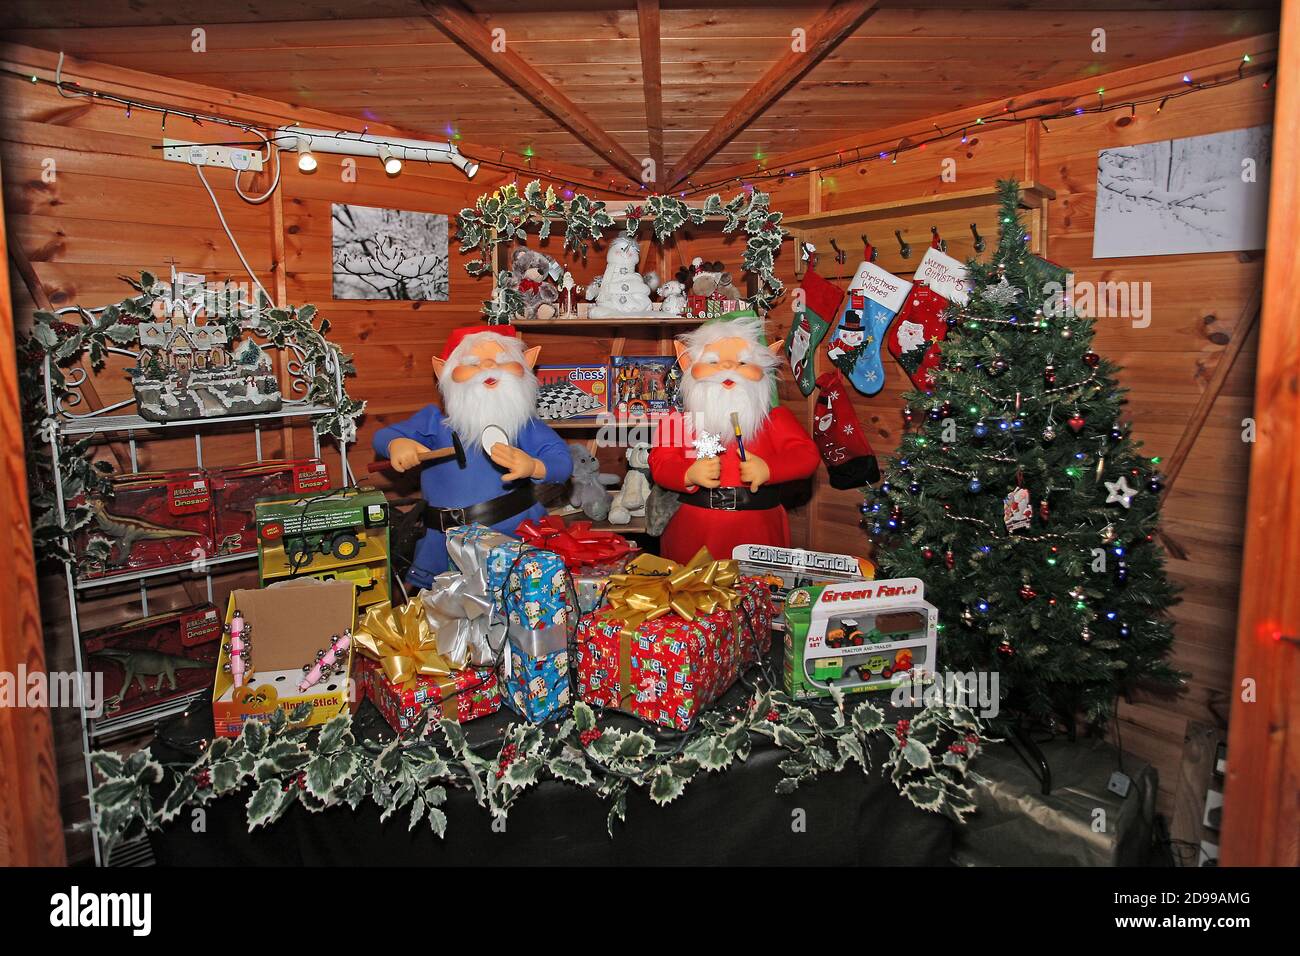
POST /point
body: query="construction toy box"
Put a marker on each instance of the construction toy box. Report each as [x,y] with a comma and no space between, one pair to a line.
[644,384]
[784,569]
[287,624]
[858,636]
[571,391]
[150,520]
[154,659]
[237,488]
[332,535]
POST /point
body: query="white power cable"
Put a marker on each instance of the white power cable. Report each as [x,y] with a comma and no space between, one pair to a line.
[231,236]
[265,161]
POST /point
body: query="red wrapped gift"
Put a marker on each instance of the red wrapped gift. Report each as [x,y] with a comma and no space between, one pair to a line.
[577,544]
[460,695]
[664,666]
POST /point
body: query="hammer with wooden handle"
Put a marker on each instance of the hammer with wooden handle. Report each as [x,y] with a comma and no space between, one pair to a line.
[455,449]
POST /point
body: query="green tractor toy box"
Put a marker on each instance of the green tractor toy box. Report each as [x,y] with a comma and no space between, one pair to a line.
[858,636]
[337,535]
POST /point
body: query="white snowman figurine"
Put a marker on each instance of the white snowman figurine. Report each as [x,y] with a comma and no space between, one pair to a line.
[621,290]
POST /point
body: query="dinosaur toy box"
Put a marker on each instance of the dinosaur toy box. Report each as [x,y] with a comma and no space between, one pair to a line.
[236,488]
[149,520]
[154,659]
[858,636]
[285,630]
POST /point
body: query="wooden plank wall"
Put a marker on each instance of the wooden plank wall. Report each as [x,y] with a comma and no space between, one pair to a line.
[115,208]
[1196,301]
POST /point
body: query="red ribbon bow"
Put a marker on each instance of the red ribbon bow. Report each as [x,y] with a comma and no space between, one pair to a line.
[529,285]
[578,545]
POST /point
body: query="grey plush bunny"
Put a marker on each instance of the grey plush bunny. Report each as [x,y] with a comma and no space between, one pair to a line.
[589,484]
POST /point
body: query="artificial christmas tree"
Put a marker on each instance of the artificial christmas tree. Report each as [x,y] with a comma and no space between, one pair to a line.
[1023,502]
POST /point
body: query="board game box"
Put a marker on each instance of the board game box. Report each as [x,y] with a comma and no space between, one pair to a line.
[571,391]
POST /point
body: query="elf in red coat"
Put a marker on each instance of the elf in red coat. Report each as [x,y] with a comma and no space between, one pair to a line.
[729,489]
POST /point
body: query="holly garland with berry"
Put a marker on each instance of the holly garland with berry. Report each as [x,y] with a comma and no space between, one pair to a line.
[273,765]
[1025,504]
[92,338]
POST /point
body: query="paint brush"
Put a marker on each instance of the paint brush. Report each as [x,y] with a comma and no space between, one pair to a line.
[740,440]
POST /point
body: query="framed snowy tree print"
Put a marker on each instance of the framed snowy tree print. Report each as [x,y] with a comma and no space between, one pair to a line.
[388,254]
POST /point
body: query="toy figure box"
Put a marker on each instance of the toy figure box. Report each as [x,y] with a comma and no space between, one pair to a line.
[783,569]
[290,621]
[151,520]
[333,535]
[859,636]
[670,669]
[460,696]
[154,659]
[237,488]
[644,384]
[571,391]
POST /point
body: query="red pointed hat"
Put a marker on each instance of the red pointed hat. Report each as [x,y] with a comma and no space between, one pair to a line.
[459,335]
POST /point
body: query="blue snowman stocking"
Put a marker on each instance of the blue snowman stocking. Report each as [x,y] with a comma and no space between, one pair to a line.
[875,296]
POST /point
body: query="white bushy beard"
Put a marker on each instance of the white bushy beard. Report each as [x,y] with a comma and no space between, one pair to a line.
[710,405]
[470,406]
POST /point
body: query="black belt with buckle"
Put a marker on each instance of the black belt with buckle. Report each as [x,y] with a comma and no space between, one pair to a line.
[490,512]
[733,499]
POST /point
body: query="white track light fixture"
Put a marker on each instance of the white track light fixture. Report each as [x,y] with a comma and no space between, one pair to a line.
[306,161]
[392,165]
[391,151]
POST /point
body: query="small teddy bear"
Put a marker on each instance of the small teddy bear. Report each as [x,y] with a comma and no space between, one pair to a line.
[673,294]
[630,500]
[534,276]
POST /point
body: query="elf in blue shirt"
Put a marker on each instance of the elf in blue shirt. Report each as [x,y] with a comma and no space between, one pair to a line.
[486,378]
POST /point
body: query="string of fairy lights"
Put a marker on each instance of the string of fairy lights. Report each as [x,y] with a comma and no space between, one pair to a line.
[842,156]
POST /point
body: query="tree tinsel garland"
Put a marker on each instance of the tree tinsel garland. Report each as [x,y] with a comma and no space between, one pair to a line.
[504,215]
[278,764]
[1067,603]
[117,326]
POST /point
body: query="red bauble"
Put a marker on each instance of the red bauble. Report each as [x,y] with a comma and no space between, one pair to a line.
[1027,593]
[1006,648]
[927,553]
[949,560]
[1091,359]
[1076,422]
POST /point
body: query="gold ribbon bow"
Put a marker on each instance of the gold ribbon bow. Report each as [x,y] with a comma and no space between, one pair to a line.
[401,641]
[652,586]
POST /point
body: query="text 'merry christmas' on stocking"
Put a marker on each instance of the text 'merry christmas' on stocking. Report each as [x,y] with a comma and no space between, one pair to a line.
[821,300]
[914,340]
[838,433]
[875,297]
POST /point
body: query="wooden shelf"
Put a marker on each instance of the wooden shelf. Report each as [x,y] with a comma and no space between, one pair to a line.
[610,323]
[1033,196]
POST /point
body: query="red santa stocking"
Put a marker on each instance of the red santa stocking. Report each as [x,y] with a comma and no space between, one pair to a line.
[916,334]
[850,462]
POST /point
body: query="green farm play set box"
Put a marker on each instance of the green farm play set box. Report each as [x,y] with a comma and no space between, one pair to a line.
[858,636]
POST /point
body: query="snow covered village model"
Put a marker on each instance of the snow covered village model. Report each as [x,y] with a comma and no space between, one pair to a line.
[188,369]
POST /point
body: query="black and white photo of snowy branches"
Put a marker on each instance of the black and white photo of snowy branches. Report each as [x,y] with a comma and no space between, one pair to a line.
[1195,194]
[388,254]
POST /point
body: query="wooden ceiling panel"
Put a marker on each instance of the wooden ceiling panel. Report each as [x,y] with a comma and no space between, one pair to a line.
[385,61]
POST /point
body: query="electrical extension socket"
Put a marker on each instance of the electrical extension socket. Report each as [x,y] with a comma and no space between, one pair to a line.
[202,154]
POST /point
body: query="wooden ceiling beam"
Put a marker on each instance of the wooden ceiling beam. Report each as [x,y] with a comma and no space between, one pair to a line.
[839,20]
[648,31]
[474,37]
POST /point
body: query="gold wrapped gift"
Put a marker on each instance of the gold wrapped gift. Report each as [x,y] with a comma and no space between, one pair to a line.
[652,586]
